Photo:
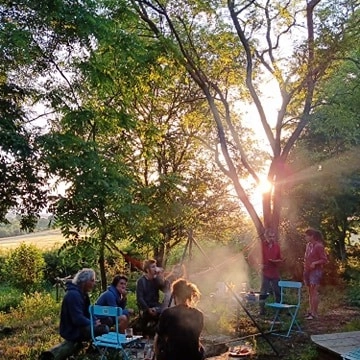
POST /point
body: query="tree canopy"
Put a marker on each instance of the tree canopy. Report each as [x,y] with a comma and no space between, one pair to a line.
[151,111]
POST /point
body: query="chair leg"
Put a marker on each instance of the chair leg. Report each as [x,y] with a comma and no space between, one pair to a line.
[102,353]
[293,322]
[276,316]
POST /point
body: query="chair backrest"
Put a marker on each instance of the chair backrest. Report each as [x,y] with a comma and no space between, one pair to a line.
[98,311]
[295,286]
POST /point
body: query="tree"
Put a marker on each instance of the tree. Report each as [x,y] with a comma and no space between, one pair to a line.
[33,37]
[229,52]
[142,134]
[328,196]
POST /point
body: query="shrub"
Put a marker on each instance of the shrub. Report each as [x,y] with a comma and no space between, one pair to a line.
[58,264]
[24,268]
[10,297]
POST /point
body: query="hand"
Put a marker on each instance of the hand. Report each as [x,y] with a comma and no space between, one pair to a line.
[152,311]
[123,292]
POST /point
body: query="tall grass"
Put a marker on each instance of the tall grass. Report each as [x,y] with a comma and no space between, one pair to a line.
[33,327]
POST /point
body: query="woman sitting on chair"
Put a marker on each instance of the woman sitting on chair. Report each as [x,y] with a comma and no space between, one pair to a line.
[179,328]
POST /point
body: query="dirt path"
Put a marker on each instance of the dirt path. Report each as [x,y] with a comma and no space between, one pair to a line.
[333,321]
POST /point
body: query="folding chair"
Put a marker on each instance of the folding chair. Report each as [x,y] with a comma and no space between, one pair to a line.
[112,340]
[289,301]
[352,355]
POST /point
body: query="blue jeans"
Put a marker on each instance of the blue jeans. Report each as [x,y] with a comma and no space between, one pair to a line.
[268,285]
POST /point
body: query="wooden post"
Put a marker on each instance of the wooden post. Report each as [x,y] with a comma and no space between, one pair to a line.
[61,351]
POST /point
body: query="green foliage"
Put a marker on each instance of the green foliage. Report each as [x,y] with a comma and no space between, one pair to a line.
[36,321]
[67,262]
[354,292]
[10,297]
[24,267]
[44,304]
[13,227]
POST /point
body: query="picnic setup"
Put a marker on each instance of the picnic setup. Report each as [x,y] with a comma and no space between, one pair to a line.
[283,321]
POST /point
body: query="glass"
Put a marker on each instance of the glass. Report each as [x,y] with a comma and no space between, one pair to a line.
[129,333]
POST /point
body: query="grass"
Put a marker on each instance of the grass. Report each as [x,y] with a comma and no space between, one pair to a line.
[32,327]
[44,240]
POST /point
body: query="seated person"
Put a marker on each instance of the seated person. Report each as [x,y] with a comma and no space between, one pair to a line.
[178,271]
[115,295]
[75,316]
[147,291]
[179,328]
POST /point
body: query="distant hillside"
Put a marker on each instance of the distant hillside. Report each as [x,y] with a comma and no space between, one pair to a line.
[46,239]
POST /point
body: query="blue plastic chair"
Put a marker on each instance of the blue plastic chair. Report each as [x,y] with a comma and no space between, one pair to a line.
[352,355]
[112,340]
[290,302]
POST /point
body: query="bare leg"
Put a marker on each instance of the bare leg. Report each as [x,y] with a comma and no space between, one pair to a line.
[314,298]
[123,323]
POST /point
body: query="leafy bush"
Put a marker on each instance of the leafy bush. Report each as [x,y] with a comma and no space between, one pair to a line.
[44,304]
[58,264]
[24,268]
[354,293]
[10,297]
[35,327]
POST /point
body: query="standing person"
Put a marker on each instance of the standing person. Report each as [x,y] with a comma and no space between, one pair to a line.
[148,288]
[179,328]
[75,316]
[314,259]
[269,260]
[115,295]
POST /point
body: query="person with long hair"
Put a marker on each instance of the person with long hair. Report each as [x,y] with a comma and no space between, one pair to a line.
[75,317]
[314,259]
[180,326]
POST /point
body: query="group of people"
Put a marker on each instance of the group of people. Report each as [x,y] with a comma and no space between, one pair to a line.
[314,259]
[179,323]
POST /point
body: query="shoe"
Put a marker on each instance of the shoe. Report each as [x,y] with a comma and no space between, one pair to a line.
[310,317]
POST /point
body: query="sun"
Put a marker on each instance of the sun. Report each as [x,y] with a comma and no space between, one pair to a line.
[264,186]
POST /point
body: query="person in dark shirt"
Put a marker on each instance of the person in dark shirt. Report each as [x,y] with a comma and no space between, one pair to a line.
[148,290]
[75,316]
[115,295]
[180,326]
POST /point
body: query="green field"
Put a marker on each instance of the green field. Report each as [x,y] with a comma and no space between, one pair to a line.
[48,239]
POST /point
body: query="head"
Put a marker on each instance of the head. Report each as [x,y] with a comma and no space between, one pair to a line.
[85,279]
[185,292]
[313,235]
[150,267]
[270,235]
[120,283]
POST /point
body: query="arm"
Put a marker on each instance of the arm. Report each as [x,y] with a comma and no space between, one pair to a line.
[321,256]
[75,306]
[106,299]
[277,257]
[140,293]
